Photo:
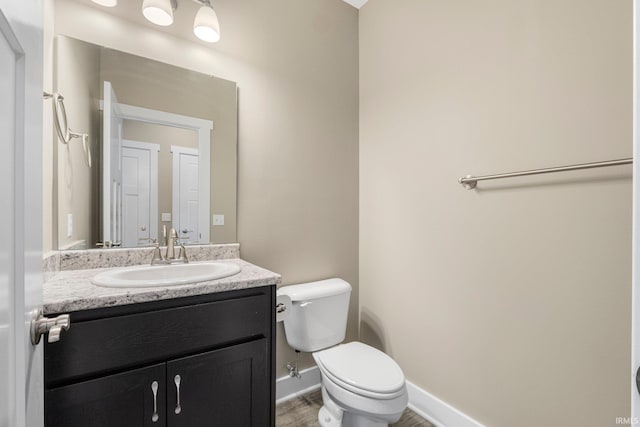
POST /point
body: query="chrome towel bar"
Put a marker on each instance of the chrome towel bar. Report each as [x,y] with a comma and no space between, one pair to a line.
[62,125]
[469,182]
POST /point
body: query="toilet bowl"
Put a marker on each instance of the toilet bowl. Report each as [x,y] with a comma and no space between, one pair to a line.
[361,386]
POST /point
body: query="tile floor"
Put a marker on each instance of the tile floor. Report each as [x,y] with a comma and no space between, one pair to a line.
[303,412]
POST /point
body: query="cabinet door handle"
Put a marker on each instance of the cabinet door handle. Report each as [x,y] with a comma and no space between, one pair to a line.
[176,380]
[154,389]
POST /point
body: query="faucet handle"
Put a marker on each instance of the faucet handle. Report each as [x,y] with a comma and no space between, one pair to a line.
[157,257]
[183,254]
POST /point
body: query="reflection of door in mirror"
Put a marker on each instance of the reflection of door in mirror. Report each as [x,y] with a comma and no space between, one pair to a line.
[139,193]
[111,171]
[185,193]
[146,188]
[166,141]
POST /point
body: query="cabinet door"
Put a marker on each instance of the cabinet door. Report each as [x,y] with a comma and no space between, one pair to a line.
[126,399]
[226,387]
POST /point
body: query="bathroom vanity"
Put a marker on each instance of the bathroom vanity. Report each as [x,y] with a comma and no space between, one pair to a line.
[190,355]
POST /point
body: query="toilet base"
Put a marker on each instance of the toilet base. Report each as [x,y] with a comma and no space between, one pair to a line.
[326,419]
[356,420]
[332,415]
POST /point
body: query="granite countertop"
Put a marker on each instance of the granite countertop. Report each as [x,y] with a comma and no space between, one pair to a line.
[72,290]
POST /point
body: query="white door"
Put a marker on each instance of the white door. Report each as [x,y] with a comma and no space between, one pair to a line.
[185,193]
[139,193]
[635,263]
[635,304]
[135,197]
[111,168]
[21,106]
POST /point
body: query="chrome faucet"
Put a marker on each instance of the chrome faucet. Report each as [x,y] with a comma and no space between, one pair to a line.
[170,255]
[163,242]
[171,241]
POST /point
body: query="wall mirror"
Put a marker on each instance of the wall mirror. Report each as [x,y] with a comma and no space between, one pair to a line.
[163,144]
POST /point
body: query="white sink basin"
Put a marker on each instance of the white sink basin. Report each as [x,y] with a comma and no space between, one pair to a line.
[164,275]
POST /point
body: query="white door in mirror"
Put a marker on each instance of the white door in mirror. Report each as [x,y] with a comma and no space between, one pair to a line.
[164,275]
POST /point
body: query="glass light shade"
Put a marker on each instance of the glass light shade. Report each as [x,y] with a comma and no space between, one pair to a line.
[206,26]
[107,3]
[159,12]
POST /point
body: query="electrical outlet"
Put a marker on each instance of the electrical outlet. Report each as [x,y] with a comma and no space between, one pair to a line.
[166,216]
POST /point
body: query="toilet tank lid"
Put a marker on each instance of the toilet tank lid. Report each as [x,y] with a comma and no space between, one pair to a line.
[312,290]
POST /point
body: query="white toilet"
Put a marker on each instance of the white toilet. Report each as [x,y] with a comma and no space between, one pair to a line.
[361,386]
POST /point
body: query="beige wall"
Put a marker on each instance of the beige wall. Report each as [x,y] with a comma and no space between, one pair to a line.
[297,130]
[77,73]
[510,302]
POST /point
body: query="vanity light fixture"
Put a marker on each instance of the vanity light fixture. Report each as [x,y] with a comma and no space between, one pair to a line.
[160,12]
[107,3]
[206,26]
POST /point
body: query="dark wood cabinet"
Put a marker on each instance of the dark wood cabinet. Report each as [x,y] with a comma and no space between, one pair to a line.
[197,361]
[124,399]
[225,387]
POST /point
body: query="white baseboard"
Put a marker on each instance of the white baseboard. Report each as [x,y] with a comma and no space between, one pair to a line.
[288,387]
[437,411]
[421,402]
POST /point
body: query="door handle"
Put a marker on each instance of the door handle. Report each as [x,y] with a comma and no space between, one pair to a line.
[638,379]
[41,325]
[176,380]
[154,389]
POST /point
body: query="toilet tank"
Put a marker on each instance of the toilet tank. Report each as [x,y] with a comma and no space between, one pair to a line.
[318,317]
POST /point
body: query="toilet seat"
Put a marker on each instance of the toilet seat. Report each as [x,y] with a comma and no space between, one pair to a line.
[362,369]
